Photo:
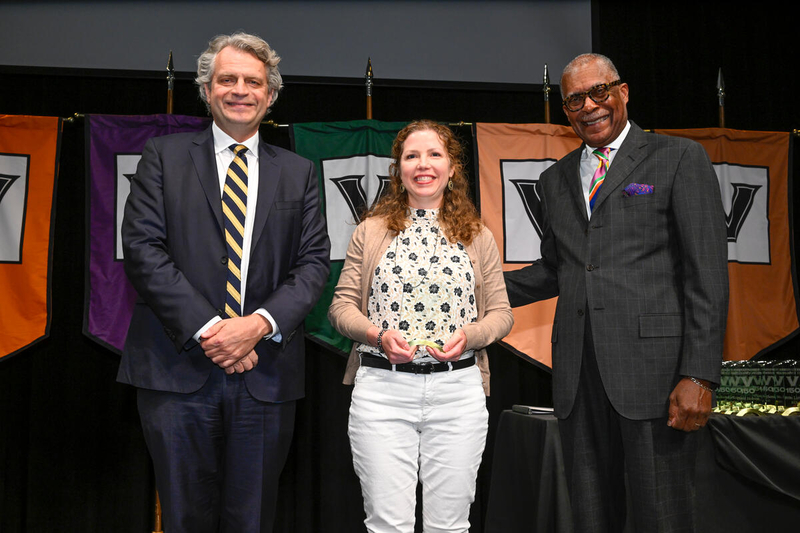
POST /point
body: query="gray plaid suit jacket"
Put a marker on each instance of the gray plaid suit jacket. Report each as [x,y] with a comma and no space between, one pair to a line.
[650,269]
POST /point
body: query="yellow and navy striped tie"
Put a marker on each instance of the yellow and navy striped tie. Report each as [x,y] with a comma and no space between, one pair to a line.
[234,209]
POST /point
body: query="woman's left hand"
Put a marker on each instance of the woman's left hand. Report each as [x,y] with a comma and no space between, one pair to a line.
[452,349]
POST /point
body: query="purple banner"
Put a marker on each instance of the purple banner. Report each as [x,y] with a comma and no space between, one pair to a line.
[114,145]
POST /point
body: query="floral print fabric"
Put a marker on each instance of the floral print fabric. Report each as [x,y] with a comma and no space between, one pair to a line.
[423,286]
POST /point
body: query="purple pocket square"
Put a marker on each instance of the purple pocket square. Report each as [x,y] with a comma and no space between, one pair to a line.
[637,188]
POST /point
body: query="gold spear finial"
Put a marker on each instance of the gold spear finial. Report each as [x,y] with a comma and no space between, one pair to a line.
[368,83]
[721,98]
[170,82]
[546,89]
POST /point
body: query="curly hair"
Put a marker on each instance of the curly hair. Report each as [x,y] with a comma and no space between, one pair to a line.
[245,42]
[457,215]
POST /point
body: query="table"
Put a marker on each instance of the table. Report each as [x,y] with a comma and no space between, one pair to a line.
[748,476]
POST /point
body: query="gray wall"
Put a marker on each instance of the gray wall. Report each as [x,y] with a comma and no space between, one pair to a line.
[457,40]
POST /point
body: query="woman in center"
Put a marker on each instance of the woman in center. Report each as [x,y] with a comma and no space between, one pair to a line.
[422,294]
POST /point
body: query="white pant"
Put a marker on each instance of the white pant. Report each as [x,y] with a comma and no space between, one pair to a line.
[404,424]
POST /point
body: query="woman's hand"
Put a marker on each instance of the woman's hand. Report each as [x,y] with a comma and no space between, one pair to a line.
[396,347]
[452,349]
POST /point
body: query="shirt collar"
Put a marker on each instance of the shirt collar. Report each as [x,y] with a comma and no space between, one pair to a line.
[223,141]
[614,145]
[423,214]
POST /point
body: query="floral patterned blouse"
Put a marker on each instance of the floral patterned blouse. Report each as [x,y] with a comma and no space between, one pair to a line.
[423,286]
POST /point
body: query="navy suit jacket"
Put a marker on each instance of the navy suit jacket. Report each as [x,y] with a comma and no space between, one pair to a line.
[175,257]
[650,269]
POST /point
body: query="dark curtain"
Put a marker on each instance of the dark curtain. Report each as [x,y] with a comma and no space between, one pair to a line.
[72,457]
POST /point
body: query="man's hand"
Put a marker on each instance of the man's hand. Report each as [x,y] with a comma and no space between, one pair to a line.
[689,406]
[231,341]
[245,364]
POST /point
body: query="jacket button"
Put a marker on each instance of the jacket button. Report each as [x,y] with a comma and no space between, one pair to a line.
[580,312]
[590,267]
[224,259]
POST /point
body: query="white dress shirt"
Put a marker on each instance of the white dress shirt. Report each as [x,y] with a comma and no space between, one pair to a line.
[589,163]
[224,157]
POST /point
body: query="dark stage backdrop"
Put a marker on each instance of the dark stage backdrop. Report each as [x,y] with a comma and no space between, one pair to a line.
[72,457]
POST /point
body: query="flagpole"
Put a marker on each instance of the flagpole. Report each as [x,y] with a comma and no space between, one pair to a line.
[546,88]
[157,521]
[721,97]
[368,83]
[157,528]
[170,83]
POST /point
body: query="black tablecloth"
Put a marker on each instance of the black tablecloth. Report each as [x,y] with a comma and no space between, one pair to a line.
[528,489]
[748,476]
[763,449]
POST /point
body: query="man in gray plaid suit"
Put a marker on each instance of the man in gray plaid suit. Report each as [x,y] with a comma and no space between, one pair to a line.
[634,244]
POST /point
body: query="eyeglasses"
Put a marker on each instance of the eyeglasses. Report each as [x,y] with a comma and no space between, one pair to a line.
[598,94]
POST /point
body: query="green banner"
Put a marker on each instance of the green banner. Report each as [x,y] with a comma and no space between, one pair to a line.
[352,160]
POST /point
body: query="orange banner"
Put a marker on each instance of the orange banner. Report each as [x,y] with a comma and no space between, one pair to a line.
[28,167]
[753,169]
[510,159]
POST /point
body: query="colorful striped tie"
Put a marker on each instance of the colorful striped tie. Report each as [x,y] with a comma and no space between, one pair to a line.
[234,207]
[599,174]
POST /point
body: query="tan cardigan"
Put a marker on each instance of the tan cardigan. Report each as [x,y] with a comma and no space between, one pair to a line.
[348,310]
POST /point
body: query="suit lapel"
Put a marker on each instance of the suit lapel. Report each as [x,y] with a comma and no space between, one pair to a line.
[269,175]
[631,153]
[205,165]
[571,176]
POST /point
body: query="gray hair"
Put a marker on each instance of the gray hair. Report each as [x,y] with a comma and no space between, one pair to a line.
[583,60]
[247,43]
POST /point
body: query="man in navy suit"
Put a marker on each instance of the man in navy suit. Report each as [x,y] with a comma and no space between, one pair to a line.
[218,360]
[634,245]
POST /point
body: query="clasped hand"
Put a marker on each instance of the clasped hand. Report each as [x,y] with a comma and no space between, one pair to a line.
[230,343]
[398,351]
